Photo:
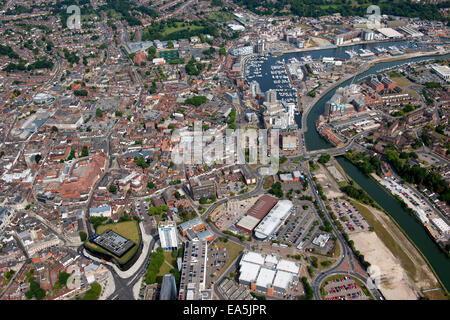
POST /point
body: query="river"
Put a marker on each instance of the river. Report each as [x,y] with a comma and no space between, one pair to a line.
[312,138]
[416,232]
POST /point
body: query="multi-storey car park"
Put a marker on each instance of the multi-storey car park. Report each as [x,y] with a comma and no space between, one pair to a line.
[193,271]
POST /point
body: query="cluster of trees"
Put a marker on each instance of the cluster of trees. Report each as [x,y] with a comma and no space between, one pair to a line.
[312,165]
[42,63]
[196,100]
[359,194]
[96,221]
[181,30]
[367,164]
[185,214]
[35,290]
[83,236]
[156,261]
[406,109]
[80,93]
[420,176]
[318,8]
[276,190]
[8,51]
[7,276]
[324,158]
[157,210]
[309,293]
[231,121]
[360,256]
[112,188]
[241,238]
[210,51]
[71,57]
[194,68]
[140,161]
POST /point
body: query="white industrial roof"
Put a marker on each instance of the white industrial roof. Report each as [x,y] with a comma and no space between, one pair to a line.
[288,266]
[248,222]
[390,33]
[442,226]
[265,277]
[253,257]
[282,279]
[271,259]
[445,70]
[273,219]
[248,271]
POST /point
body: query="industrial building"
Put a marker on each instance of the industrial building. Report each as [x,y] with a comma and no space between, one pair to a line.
[267,273]
[256,213]
[168,235]
[441,225]
[193,270]
[274,219]
[441,71]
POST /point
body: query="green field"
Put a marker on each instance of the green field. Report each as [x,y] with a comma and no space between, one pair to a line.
[179,27]
[401,82]
[127,229]
[169,263]
[219,16]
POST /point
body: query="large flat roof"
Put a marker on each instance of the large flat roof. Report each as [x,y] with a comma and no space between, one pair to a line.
[282,280]
[253,257]
[288,266]
[113,242]
[248,271]
[273,219]
[248,223]
[262,207]
[265,277]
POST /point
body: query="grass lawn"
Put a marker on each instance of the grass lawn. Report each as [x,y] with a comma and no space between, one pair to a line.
[169,263]
[219,16]
[387,239]
[233,251]
[268,182]
[127,229]
[401,82]
[179,27]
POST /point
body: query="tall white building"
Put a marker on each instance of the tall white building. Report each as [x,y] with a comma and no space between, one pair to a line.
[168,235]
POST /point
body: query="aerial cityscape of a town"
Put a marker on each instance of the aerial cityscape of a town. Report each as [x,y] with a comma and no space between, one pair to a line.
[224,150]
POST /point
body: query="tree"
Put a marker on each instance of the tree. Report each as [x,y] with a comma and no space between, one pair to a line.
[112,188]
[84,151]
[150,185]
[54,129]
[83,235]
[37,158]
[203,200]
[324,158]
[99,113]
